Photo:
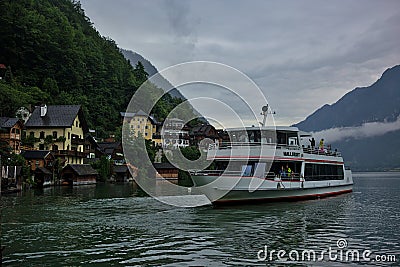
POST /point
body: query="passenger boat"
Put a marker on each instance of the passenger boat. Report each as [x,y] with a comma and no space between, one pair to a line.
[254,166]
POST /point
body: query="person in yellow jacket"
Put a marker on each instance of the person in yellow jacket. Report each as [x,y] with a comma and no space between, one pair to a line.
[321,145]
[288,171]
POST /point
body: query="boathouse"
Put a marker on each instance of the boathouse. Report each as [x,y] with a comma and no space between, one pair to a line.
[167,171]
[78,174]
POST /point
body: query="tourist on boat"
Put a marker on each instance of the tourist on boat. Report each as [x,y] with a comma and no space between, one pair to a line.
[288,170]
[321,144]
[312,142]
[282,172]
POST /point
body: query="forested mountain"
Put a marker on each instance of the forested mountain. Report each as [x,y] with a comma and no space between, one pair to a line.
[134,58]
[54,55]
[364,124]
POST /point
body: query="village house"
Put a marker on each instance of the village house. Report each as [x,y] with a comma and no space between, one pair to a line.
[201,132]
[144,124]
[112,150]
[38,159]
[60,129]
[175,133]
[91,150]
[41,165]
[10,134]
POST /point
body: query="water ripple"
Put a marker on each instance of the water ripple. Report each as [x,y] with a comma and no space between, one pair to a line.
[109,225]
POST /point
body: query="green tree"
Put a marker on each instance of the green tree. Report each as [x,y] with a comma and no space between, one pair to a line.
[50,86]
[103,167]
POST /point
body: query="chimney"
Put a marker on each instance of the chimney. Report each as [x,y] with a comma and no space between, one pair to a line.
[43,110]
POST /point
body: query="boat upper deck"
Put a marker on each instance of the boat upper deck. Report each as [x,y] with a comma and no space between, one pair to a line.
[277,139]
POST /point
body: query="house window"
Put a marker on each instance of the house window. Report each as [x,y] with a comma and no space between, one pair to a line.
[69,135]
[138,126]
[55,134]
[17,131]
[41,146]
[145,134]
[67,147]
[76,123]
[147,127]
[41,135]
[31,134]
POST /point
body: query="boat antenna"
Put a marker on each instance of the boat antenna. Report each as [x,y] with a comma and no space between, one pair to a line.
[265,114]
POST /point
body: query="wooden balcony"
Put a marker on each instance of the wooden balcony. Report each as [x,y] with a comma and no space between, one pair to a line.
[68,153]
[15,136]
[77,141]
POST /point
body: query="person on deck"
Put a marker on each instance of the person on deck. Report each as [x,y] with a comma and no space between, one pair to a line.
[282,172]
[289,171]
[312,142]
[321,145]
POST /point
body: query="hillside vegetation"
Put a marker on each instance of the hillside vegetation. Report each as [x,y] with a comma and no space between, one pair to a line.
[54,55]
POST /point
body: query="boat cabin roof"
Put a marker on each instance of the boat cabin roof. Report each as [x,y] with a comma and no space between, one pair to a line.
[305,134]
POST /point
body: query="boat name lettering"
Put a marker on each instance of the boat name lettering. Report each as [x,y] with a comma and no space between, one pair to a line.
[291,154]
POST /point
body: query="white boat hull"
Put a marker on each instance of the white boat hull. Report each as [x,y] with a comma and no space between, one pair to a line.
[270,190]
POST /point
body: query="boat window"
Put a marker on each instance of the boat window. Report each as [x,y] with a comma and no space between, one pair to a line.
[287,138]
[260,170]
[254,136]
[315,172]
[293,141]
[239,136]
[246,170]
[276,168]
[268,137]
[281,136]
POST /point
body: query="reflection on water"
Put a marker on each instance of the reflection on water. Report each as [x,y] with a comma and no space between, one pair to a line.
[114,225]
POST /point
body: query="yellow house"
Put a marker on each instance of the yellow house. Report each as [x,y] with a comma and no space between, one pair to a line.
[60,129]
[141,123]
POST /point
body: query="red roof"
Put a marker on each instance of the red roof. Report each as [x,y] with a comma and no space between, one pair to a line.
[2,66]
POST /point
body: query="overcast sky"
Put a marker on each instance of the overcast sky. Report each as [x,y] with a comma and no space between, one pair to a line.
[302,54]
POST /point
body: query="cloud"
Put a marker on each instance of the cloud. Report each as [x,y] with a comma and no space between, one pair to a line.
[302,54]
[366,130]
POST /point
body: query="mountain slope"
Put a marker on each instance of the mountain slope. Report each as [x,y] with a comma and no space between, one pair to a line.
[378,102]
[54,55]
[370,146]
[134,58]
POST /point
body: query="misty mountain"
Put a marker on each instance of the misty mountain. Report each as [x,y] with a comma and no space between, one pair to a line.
[371,116]
[134,58]
[378,102]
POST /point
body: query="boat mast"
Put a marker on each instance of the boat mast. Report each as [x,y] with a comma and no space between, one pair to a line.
[265,114]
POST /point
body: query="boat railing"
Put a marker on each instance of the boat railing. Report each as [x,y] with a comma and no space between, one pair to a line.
[287,147]
[322,177]
[267,176]
[215,172]
[229,145]
[324,152]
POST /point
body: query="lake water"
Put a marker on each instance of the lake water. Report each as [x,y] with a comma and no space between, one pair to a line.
[112,225]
